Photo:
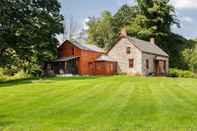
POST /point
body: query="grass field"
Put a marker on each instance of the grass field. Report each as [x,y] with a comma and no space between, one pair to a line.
[99,103]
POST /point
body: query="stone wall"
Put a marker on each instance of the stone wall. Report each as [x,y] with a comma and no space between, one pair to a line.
[150,58]
[119,53]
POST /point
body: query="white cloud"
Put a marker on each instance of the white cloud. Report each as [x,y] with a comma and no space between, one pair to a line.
[185,4]
[187,19]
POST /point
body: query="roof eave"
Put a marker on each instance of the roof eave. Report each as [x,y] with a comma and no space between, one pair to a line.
[156,54]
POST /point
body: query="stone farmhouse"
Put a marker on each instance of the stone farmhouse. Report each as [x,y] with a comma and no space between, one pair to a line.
[138,57]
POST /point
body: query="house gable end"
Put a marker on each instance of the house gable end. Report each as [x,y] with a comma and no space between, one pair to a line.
[119,42]
[120,53]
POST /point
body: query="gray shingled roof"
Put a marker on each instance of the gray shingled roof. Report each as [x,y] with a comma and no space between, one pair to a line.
[87,47]
[147,47]
[105,58]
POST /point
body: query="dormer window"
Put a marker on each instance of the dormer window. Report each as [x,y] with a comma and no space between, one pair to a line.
[128,50]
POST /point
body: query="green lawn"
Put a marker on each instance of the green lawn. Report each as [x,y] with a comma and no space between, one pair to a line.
[99,103]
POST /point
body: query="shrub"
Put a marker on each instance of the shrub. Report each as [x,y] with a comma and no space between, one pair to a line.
[4,75]
[21,75]
[182,73]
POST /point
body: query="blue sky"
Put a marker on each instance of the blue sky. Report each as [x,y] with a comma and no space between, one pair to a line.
[81,9]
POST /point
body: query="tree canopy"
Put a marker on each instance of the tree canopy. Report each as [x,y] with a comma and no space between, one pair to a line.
[123,17]
[190,55]
[28,31]
[149,18]
[100,31]
[155,18]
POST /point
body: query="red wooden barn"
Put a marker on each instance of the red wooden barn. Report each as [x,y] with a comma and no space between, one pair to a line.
[82,59]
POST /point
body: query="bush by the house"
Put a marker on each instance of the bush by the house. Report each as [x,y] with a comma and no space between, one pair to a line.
[4,75]
[182,73]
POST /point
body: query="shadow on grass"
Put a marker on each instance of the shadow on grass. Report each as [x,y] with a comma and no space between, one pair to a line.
[72,78]
[4,122]
[16,82]
[11,83]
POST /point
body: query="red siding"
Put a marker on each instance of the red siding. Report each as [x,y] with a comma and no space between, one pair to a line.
[86,58]
[105,68]
[66,50]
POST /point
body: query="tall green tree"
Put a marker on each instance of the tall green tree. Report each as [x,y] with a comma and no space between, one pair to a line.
[156,17]
[104,31]
[123,17]
[190,56]
[29,28]
[100,30]
[149,18]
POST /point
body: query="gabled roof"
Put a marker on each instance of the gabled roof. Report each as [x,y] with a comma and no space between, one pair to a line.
[144,46]
[147,47]
[105,58]
[87,47]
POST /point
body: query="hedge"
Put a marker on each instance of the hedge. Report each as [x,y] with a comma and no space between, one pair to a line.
[182,73]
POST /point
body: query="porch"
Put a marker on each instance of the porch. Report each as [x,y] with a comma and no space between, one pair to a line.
[160,66]
[66,65]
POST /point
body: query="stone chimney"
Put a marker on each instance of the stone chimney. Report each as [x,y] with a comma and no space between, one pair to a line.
[123,32]
[152,40]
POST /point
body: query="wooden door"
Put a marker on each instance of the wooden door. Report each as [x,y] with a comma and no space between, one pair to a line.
[156,65]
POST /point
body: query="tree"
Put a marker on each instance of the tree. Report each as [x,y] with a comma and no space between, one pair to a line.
[123,17]
[28,28]
[150,18]
[104,31]
[190,56]
[156,18]
[100,30]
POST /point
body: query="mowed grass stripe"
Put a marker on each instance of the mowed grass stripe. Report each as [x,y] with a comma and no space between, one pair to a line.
[97,103]
[143,105]
[90,100]
[172,107]
[24,97]
[107,106]
[187,106]
[41,104]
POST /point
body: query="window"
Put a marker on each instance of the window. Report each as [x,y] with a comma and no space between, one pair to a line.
[131,63]
[147,64]
[128,50]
